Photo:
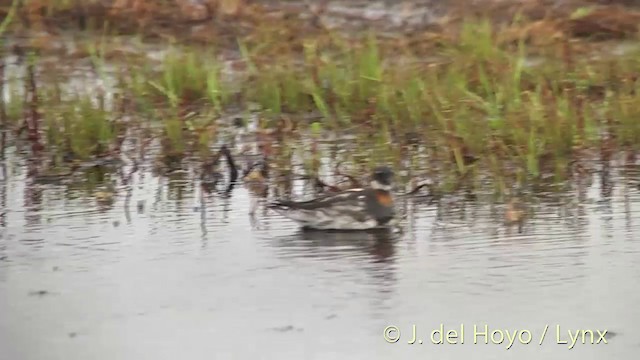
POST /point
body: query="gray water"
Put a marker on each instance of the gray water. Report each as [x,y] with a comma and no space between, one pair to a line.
[78,281]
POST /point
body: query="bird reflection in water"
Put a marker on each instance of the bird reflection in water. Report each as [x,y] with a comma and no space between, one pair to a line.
[372,253]
[377,244]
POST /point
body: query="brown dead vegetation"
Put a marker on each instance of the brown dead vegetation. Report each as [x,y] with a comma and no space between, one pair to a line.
[537,21]
[540,22]
[612,22]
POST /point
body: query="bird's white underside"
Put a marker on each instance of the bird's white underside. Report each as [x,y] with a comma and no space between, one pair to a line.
[322,221]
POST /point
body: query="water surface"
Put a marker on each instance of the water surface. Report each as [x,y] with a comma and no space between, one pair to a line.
[78,281]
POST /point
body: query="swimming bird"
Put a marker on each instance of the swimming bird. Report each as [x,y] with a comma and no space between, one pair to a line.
[354,209]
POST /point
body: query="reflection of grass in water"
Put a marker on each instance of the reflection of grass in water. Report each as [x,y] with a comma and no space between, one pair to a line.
[14,105]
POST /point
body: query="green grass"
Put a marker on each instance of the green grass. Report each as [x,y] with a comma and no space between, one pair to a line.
[79,127]
[481,98]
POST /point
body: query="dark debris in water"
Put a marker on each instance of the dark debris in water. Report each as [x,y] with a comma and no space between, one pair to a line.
[287,328]
[39,293]
[140,206]
[239,122]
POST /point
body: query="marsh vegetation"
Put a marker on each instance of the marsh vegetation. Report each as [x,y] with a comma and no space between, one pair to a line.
[517,95]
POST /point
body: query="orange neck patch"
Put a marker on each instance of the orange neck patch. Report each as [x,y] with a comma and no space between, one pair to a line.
[384,198]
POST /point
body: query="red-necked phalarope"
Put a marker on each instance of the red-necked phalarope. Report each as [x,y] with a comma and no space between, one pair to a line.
[354,209]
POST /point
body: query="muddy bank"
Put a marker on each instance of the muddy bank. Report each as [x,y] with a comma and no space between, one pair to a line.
[222,21]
